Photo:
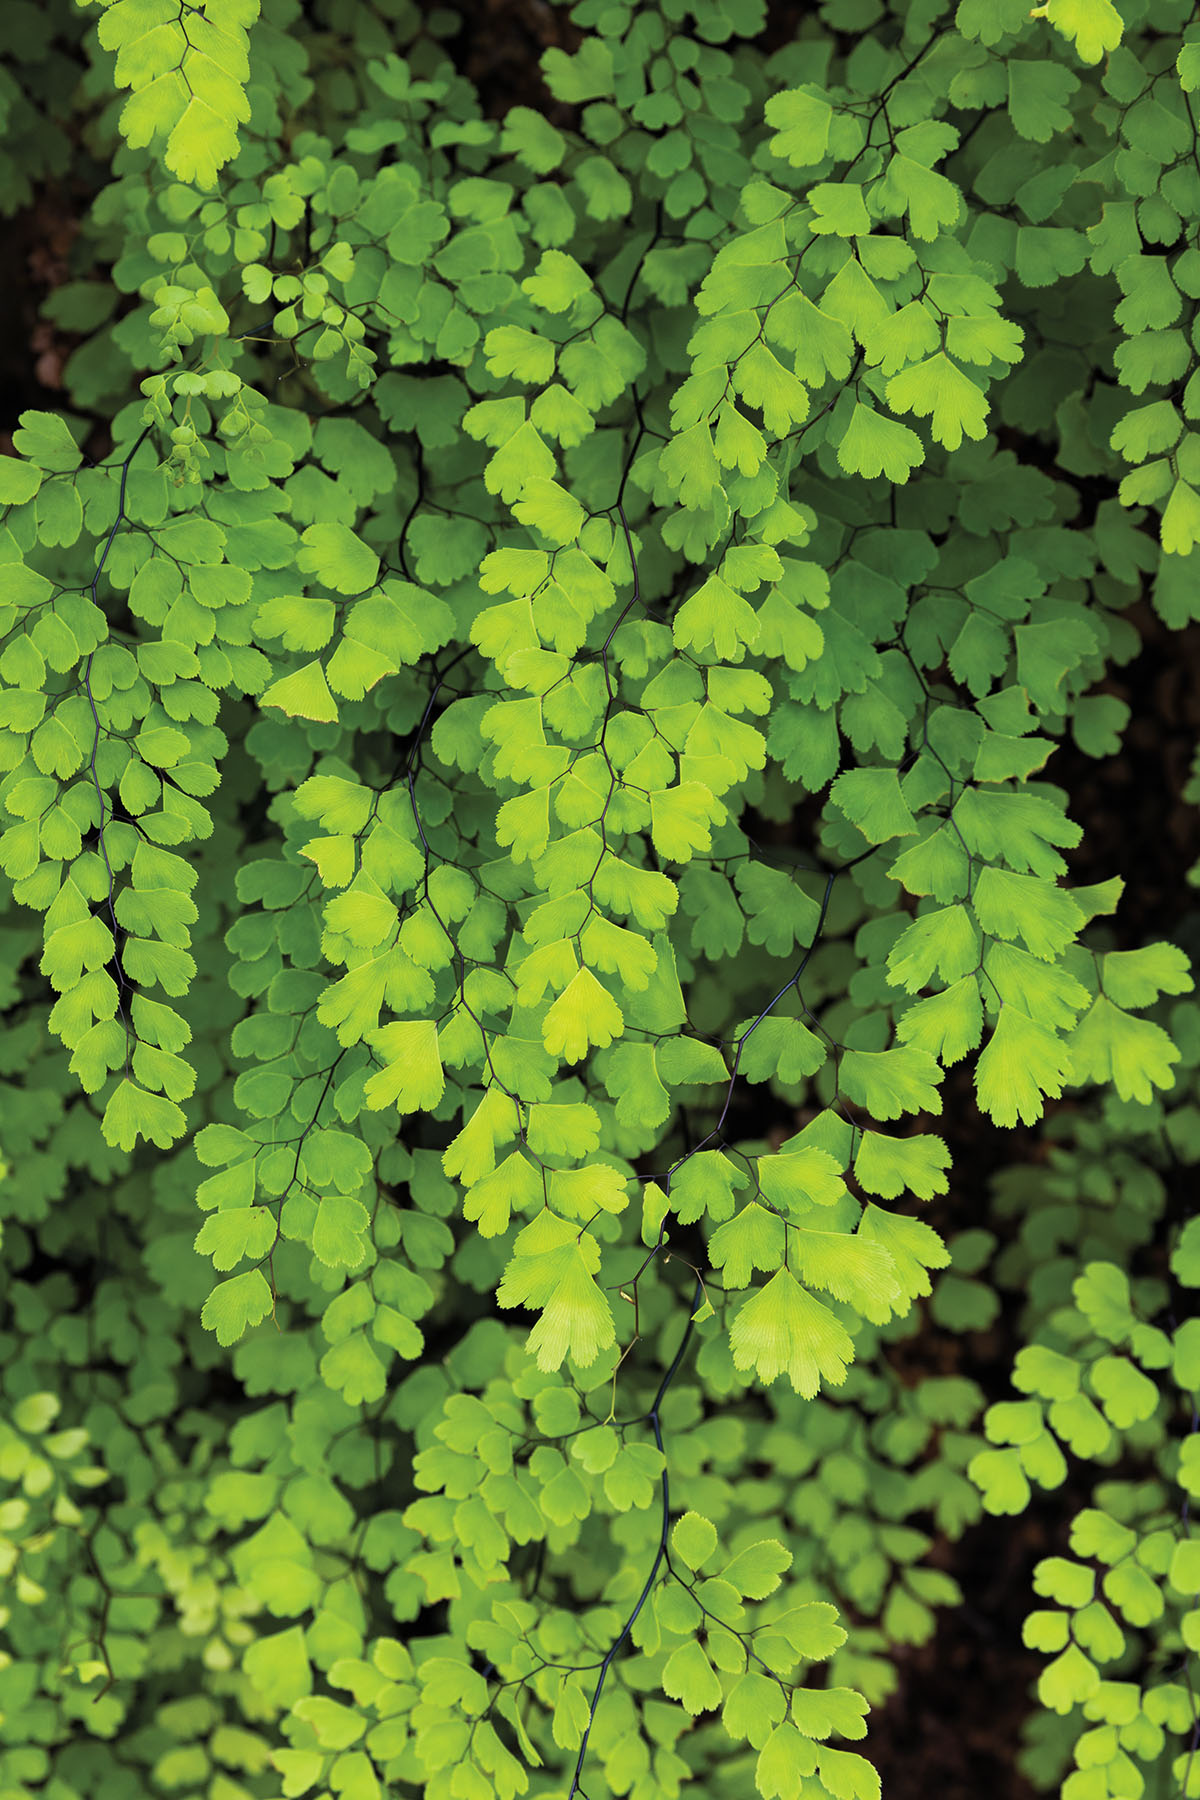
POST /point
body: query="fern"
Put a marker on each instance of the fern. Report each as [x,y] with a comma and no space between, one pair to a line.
[465,549]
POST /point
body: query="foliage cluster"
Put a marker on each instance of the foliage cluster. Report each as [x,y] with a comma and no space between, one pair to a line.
[523,753]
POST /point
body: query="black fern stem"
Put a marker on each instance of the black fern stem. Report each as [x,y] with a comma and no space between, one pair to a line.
[121,982]
[627,1627]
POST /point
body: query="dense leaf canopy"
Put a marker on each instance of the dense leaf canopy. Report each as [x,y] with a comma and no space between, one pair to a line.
[532,650]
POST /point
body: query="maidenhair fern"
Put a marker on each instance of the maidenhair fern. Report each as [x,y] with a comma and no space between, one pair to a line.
[498,861]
